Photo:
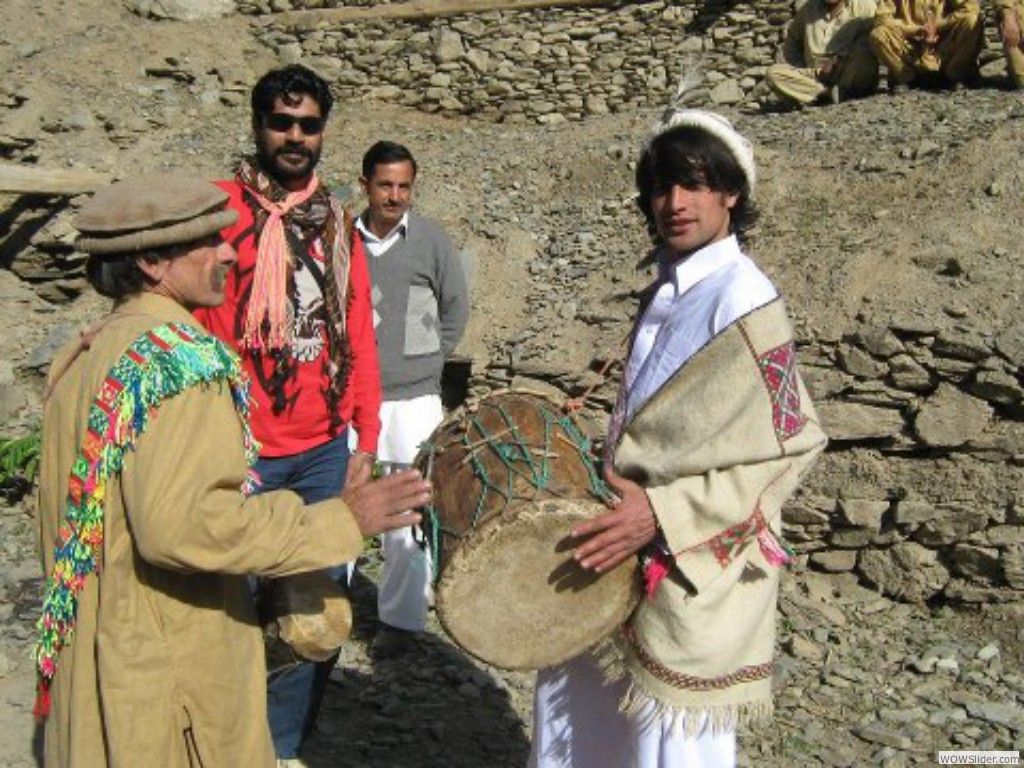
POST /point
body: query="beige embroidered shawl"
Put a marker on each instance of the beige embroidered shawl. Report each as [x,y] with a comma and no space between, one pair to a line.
[718,449]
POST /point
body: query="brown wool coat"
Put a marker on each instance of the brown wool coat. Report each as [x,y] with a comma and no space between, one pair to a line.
[166,666]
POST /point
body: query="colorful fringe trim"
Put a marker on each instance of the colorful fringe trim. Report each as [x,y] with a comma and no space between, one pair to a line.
[159,364]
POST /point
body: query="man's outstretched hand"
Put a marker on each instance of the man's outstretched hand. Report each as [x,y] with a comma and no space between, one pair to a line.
[620,533]
[384,504]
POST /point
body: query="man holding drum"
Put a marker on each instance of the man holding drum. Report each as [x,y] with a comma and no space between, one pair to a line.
[710,435]
[149,651]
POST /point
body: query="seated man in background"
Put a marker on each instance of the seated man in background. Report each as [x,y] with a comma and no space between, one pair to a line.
[826,53]
[932,42]
[1011,16]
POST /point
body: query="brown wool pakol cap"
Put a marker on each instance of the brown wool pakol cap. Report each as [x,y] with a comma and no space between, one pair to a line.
[151,211]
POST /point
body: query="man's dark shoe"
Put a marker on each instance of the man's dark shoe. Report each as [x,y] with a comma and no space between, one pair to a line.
[391,642]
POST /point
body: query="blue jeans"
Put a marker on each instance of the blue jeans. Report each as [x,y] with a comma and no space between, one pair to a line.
[294,696]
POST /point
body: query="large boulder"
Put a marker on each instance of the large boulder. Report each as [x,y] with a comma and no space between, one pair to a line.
[851,421]
[182,10]
[950,418]
[906,571]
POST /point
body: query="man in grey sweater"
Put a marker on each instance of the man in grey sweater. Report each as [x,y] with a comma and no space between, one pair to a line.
[420,306]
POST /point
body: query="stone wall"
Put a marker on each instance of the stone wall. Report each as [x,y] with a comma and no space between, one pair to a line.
[548,65]
[943,403]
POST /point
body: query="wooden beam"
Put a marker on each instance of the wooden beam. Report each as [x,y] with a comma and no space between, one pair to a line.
[301,21]
[33,180]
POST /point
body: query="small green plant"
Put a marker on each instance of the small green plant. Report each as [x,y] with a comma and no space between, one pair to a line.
[19,464]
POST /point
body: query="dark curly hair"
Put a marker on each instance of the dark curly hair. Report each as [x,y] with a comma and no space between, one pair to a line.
[691,157]
[294,79]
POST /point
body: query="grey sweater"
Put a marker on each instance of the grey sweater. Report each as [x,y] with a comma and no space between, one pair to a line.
[420,304]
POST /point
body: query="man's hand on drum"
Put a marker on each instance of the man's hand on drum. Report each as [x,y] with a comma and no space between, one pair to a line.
[620,533]
[384,504]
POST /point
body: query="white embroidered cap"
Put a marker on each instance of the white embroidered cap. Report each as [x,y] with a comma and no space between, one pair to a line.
[719,127]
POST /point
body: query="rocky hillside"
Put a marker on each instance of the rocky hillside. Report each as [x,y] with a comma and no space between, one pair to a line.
[892,226]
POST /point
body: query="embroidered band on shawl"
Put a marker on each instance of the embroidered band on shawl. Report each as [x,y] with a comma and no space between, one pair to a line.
[727,544]
[691,682]
[778,369]
[161,363]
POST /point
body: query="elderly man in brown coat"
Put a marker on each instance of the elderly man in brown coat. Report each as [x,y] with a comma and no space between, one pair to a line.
[149,652]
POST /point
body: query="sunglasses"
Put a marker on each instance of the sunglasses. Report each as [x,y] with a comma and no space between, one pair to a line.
[278,122]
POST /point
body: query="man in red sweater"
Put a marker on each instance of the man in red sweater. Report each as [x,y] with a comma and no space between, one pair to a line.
[298,311]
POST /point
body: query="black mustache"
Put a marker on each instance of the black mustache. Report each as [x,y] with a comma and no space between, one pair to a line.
[289,150]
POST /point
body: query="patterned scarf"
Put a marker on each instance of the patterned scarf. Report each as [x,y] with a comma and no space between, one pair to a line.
[159,364]
[286,225]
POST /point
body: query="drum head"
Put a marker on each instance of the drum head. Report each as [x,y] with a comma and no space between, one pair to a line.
[512,595]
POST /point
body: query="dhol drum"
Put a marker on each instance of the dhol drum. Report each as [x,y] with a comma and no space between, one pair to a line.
[511,478]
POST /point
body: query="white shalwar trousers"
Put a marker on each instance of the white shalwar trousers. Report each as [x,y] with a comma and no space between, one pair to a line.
[577,724]
[404,591]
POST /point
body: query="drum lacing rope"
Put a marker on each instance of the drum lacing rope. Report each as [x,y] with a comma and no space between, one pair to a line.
[511,453]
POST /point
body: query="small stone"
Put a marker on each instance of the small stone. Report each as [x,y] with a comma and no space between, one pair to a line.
[950,418]
[863,513]
[1010,343]
[913,512]
[852,421]
[946,716]
[858,363]
[800,647]
[906,373]
[997,387]
[880,342]
[835,560]
[448,47]
[988,653]
[905,571]
[1007,715]
[876,733]
[976,562]
[910,715]
[726,92]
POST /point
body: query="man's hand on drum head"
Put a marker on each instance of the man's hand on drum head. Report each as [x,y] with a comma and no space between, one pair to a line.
[620,533]
[385,504]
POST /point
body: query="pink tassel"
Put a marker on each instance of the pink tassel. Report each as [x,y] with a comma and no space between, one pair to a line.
[656,569]
[774,550]
[42,706]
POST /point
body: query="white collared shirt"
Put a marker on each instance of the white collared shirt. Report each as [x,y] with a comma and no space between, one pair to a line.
[377,246]
[696,299]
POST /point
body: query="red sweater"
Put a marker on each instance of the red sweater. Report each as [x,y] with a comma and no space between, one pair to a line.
[304,422]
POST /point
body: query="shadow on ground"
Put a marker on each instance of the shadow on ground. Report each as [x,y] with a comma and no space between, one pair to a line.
[433,706]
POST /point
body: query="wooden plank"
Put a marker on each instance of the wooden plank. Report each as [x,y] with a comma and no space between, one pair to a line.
[301,21]
[34,180]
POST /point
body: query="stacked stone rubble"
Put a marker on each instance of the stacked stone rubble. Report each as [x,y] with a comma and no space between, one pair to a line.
[937,400]
[545,65]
